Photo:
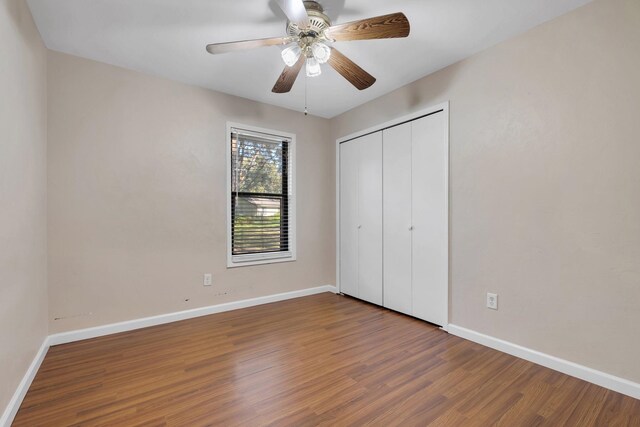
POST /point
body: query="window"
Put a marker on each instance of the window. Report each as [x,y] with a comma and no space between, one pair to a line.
[261,205]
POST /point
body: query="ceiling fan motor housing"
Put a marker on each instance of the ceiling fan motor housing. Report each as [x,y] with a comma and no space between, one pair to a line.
[318,22]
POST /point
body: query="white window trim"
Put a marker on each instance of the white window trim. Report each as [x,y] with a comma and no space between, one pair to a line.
[265,258]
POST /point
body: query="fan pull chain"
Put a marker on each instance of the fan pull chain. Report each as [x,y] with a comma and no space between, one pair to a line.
[306,111]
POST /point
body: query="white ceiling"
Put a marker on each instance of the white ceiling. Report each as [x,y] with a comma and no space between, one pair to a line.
[168,37]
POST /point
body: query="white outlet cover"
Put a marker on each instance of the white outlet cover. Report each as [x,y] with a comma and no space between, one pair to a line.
[492,301]
[208,279]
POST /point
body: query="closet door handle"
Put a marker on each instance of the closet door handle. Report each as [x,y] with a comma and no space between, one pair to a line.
[411,228]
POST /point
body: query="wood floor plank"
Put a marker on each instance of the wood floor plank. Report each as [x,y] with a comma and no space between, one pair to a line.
[319,360]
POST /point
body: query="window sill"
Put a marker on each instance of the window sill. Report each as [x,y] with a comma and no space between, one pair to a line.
[245,261]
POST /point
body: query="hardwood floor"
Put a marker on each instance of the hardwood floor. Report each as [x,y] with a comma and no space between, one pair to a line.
[319,360]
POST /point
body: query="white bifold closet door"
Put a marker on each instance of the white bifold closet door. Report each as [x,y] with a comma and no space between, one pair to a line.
[349,159]
[397,218]
[430,218]
[361,218]
[415,210]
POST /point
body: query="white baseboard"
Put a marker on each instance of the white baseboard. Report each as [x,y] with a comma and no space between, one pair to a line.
[602,379]
[130,325]
[16,400]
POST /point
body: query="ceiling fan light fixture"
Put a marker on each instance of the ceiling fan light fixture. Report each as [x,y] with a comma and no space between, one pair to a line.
[291,54]
[321,52]
[313,67]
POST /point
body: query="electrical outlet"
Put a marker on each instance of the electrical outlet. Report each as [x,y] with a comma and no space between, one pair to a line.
[492,301]
[208,279]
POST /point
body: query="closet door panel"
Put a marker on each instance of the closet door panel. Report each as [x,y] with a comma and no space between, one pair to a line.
[430,219]
[397,218]
[370,214]
[349,161]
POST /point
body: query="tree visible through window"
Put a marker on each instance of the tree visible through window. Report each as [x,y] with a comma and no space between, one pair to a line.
[260,193]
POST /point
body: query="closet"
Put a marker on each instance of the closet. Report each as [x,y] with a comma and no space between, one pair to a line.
[393,214]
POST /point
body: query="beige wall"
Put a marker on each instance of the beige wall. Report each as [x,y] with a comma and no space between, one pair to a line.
[23,198]
[545,184]
[137,204]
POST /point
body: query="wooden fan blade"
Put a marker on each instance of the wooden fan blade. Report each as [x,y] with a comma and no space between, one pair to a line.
[295,11]
[350,70]
[288,77]
[217,48]
[390,26]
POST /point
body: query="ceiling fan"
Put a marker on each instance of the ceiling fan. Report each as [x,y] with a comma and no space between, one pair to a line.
[309,35]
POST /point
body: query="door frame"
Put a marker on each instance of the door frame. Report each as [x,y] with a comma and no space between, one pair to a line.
[442,107]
